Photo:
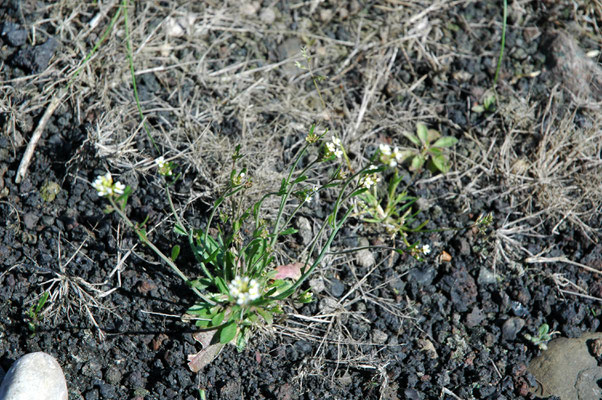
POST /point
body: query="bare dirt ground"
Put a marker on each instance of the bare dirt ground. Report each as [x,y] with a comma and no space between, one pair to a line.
[212,75]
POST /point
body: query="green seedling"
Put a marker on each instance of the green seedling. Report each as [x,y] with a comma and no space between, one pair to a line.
[393,210]
[34,312]
[488,106]
[483,222]
[429,147]
[542,338]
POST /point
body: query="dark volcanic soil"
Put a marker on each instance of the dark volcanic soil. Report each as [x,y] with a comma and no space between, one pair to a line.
[428,328]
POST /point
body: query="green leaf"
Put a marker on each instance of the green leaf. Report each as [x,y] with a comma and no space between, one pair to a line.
[217,319]
[432,134]
[489,102]
[42,301]
[241,340]
[300,179]
[227,333]
[446,141]
[543,330]
[221,285]
[435,151]
[266,315]
[179,230]
[422,132]
[417,162]
[358,192]
[478,109]
[289,231]
[283,186]
[412,138]
[441,163]
[175,252]
[199,284]
[202,323]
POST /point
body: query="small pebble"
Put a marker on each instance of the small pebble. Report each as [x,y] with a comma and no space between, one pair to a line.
[328,305]
[317,285]
[423,276]
[337,288]
[512,327]
[365,258]
[305,231]
[13,33]
[379,336]
[486,276]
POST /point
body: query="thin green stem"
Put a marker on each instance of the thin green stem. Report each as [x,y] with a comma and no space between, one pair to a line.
[285,197]
[142,236]
[188,233]
[325,249]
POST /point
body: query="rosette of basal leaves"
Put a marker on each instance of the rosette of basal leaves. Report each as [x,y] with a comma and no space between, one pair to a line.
[430,147]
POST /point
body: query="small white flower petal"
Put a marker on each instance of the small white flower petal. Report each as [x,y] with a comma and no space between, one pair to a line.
[385,149]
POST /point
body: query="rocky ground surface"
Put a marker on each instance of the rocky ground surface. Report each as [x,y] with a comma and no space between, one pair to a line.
[383,325]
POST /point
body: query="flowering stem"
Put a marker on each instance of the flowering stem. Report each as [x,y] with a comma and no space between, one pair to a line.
[188,233]
[325,249]
[143,238]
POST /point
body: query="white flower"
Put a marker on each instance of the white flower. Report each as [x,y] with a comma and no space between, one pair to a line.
[426,249]
[398,155]
[244,290]
[118,188]
[334,148]
[163,166]
[385,149]
[368,181]
[387,157]
[105,187]
[239,179]
[160,162]
[311,195]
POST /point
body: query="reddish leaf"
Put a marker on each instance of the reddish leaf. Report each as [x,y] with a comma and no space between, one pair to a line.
[292,271]
[198,361]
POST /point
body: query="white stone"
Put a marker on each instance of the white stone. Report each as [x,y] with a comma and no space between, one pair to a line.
[35,376]
[317,285]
